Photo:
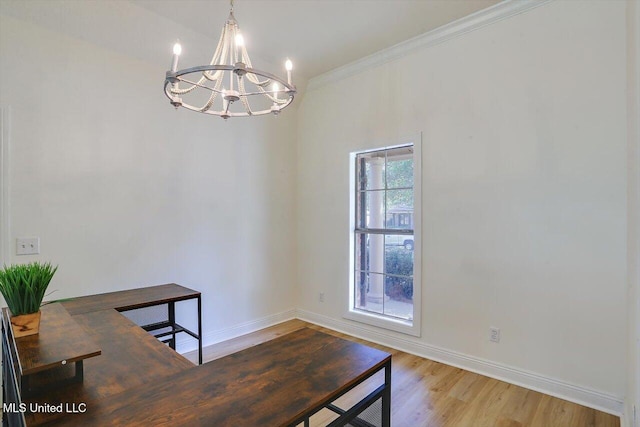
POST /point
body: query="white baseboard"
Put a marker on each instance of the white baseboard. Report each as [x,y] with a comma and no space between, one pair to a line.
[581,395]
[573,393]
[186,344]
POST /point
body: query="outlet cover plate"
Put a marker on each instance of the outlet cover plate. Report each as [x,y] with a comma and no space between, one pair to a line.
[494,335]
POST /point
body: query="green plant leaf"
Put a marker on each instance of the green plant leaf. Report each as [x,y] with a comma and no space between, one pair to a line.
[23,286]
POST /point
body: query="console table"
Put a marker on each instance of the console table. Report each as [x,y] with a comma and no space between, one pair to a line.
[139,381]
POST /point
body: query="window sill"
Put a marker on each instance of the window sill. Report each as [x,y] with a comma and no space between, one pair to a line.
[407,327]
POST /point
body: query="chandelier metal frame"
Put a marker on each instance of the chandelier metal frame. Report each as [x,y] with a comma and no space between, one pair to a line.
[229,65]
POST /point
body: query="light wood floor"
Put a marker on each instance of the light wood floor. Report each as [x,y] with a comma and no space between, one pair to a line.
[430,394]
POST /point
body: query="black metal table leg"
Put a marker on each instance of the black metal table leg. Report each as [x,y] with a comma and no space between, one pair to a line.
[25,389]
[172,320]
[79,371]
[199,330]
[169,328]
[386,396]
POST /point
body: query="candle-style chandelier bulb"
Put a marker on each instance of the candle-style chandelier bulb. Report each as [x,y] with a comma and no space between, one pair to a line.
[247,93]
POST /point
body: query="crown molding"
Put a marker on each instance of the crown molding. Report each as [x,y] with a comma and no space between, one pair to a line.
[482,18]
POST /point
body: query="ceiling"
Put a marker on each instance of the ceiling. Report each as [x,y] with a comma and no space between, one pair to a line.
[318,35]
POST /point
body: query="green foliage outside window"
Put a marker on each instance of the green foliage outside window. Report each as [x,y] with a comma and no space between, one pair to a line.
[399,261]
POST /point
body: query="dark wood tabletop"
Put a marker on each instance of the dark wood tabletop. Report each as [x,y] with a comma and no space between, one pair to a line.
[272,384]
[139,381]
[130,358]
[60,341]
[130,299]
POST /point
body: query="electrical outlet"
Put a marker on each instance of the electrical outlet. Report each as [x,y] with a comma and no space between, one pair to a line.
[494,335]
[321,297]
[27,245]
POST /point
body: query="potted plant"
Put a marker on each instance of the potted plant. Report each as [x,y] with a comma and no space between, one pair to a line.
[23,287]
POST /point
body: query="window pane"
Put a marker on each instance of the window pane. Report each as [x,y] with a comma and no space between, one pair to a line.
[376,253]
[362,252]
[398,259]
[363,259]
[398,285]
[361,287]
[399,301]
[384,277]
[399,168]
[372,216]
[371,168]
[399,213]
[369,292]
[398,241]
[370,252]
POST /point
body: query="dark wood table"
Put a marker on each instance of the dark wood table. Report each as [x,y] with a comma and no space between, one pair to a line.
[133,299]
[61,341]
[130,299]
[278,383]
[138,381]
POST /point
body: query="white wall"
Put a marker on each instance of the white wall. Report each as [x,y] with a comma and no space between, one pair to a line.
[524,184]
[124,191]
[523,189]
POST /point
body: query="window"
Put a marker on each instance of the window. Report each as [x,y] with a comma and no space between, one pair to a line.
[383,238]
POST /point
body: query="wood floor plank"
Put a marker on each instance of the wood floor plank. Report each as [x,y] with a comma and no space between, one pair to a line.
[522,405]
[468,386]
[585,418]
[414,413]
[485,409]
[507,422]
[426,393]
[603,419]
[551,413]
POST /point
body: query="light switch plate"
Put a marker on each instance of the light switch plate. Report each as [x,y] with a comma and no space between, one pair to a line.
[27,245]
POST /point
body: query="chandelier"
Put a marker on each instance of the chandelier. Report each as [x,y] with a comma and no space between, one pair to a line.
[216,88]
